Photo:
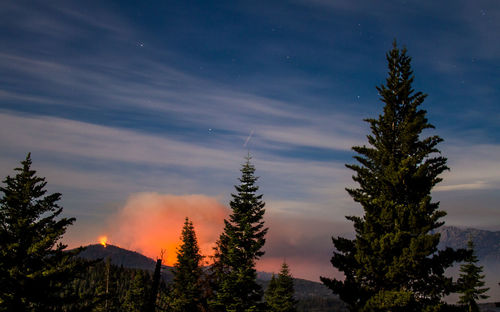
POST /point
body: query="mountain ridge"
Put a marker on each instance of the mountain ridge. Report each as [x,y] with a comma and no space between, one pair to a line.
[486,243]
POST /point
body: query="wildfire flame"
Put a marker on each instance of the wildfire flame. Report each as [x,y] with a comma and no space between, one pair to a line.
[103,240]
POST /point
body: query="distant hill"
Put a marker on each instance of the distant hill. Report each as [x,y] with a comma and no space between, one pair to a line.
[487,243]
[487,249]
[124,257]
[118,256]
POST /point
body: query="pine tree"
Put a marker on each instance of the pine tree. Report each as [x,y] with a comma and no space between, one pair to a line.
[393,263]
[239,247]
[34,267]
[137,293]
[269,295]
[471,282]
[186,291]
[106,292]
[279,295]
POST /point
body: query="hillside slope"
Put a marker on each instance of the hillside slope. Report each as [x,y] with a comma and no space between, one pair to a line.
[118,256]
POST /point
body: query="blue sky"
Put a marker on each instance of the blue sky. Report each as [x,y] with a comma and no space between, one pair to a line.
[118,98]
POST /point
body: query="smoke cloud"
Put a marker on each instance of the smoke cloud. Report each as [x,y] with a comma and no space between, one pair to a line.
[304,243]
[150,222]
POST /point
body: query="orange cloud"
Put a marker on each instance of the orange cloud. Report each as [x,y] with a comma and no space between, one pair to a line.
[151,222]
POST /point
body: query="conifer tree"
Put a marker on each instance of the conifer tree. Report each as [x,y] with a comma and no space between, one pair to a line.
[106,291]
[393,263]
[470,282]
[280,293]
[239,247]
[137,293]
[186,291]
[270,291]
[34,267]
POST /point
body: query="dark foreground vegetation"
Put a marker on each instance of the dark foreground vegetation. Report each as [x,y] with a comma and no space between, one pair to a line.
[108,287]
[392,264]
[311,296]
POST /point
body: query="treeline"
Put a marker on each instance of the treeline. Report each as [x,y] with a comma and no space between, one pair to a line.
[107,287]
[392,264]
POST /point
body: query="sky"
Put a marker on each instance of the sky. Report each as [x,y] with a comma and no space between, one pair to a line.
[141,113]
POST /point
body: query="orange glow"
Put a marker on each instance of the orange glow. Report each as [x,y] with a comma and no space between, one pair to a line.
[103,240]
[151,222]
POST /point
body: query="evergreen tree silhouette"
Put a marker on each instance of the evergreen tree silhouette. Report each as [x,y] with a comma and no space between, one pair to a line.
[35,268]
[393,263]
[239,247]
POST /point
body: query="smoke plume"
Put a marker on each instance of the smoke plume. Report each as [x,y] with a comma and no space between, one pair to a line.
[150,222]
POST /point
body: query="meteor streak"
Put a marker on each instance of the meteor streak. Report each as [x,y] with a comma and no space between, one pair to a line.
[248,139]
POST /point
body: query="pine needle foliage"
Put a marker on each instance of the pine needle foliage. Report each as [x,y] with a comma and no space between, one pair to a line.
[34,267]
[393,263]
[470,282]
[186,290]
[137,294]
[239,247]
[279,296]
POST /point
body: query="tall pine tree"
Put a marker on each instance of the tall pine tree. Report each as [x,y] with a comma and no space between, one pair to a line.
[393,263]
[239,247]
[34,267]
[470,282]
[186,292]
[279,295]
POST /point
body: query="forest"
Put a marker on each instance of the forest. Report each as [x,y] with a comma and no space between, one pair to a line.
[392,264]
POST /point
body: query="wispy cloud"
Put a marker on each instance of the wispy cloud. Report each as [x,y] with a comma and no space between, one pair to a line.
[79,139]
[479,185]
[156,88]
[473,166]
[310,137]
[71,22]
